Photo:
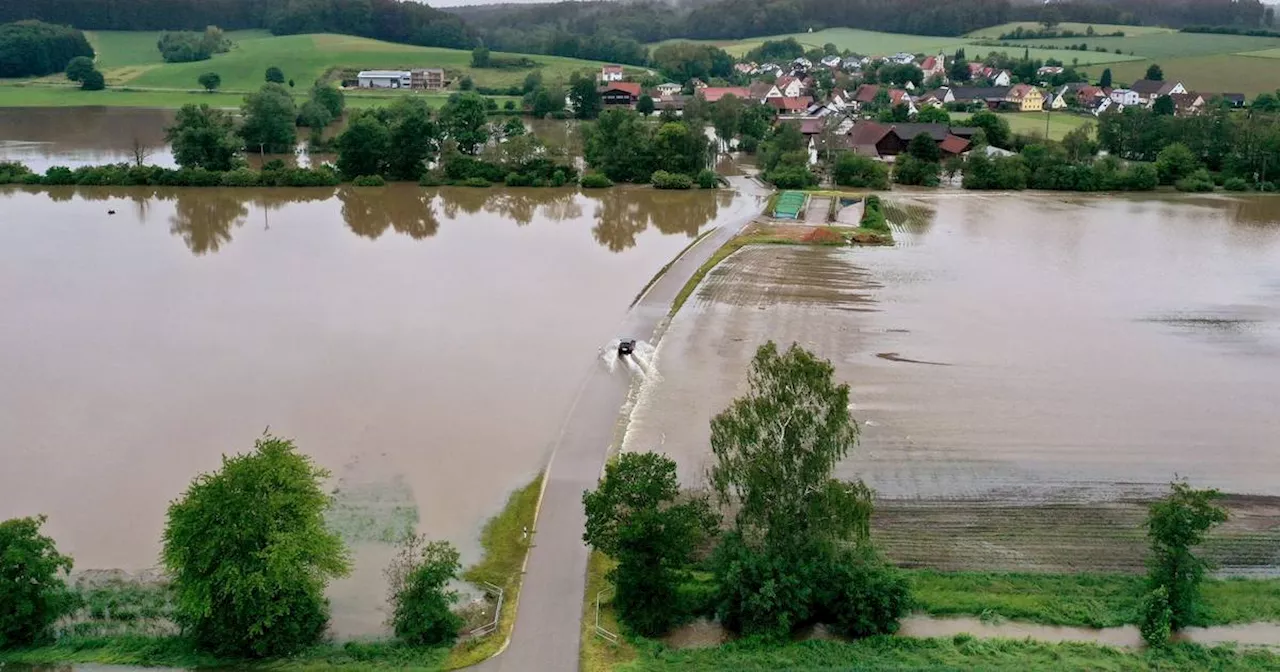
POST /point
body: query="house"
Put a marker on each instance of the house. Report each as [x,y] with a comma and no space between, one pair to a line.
[991,96]
[791,104]
[802,63]
[1126,97]
[429,79]
[668,89]
[745,68]
[1104,105]
[953,145]
[831,61]
[713,93]
[1149,89]
[697,84]
[903,58]
[935,98]
[611,73]
[620,93]
[851,64]
[1187,104]
[1002,78]
[761,91]
[1049,71]
[1055,101]
[1025,98]
[790,86]
[866,94]
[870,138]
[934,66]
[384,79]
[674,103]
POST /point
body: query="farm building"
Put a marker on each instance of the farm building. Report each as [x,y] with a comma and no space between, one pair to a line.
[385,79]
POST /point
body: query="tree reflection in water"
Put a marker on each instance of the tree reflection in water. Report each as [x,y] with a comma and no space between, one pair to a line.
[406,209]
[204,218]
[624,213]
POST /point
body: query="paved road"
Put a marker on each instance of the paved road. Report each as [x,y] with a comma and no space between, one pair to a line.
[549,620]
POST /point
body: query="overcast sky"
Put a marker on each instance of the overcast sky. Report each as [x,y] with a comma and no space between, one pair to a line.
[458,3]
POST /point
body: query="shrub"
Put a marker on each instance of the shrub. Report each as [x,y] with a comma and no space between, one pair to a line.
[249,555]
[240,177]
[1141,177]
[913,171]
[791,177]
[661,179]
[421,605]
[93,81]
[859,595]
[12,172]
[517,180]
[33,593]
[559,178]
[861,172]
[707,179]
[1197,182]
[1235,184]
[1157,617]
[595,181]
[873,215]
[430,180]
[476,182]
[58,175]
[369,181]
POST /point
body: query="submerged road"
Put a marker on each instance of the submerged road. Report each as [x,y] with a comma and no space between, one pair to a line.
[548,625]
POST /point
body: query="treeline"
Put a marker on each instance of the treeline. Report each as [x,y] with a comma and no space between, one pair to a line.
[1174,13]
[1243,146]
[393,20]
[1232,30]
[35,49]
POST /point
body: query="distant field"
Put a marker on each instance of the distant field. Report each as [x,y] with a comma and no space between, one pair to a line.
[1222,73]
[1265,53]
[68,96]
[1171,45]
[872,43]
[117,49]
[996,31]
[1032,123]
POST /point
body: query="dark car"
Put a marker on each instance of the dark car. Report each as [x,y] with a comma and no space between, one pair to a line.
[626,346]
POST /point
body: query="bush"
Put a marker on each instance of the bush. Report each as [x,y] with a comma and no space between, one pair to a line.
[1235,184]
[559,178]
[861,172]
[596,181]
[249,555]
[873,215]
[791,177]
[912,171]
[661,179]
[430,180]
[476,182]
[1157,617]
[860,596]
[33,594]
[707,179]
[93,81]
[369,181]
[12,172]
[1141,177]
[1176,162]
[421,605]
[240,177]
[58,175]
[517,180]
[1197,182]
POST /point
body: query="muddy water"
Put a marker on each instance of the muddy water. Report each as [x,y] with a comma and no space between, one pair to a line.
[1026,369]
[423,345]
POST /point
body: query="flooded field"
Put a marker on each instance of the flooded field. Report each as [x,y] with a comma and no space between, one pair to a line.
[1028,369]
[424,345]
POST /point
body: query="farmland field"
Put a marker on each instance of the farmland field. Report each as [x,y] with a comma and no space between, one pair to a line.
[1169,45]
[1032,123]
[996,31]
[1220,73]
[1265,53]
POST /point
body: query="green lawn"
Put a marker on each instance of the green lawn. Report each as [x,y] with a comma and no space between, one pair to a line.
[996,31]
[1033,123]
[1169,45]
[116,49]
[1265,53]
[1220,73]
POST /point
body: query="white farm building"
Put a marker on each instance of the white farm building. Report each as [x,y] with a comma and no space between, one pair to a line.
[384,79]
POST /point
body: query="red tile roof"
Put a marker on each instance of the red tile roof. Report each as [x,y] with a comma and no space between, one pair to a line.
[953,145]
[929,63]
[714,93]
[791,104]
[613,68]
[867,133]
[632,88]
[866,93]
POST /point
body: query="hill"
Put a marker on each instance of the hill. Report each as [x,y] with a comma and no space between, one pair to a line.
[994,32]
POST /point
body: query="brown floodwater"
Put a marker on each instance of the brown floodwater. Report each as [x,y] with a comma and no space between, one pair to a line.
[424,345]
[1026,369]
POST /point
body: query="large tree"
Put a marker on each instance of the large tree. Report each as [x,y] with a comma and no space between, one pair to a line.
[79,68]
[421,602]
[636,516]
[620,145]
[203,137]
[584,96]
[249,554]
[1175,526]
[466,122]
[1155,73]
[363,147]
[33,592]
[415,139]
[270,120]
[726,115]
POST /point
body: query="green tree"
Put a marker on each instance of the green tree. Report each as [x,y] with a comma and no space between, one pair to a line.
[1266,102]
[33,592]
[679,149]
[465,83]
[910,170]
[1079,144]
[421,603]
[275,75]
[363,147]
[415,139]
[1163,106]
[1154,73]
[532,81]
[1156,625]
[645,105]
[1175,526]
[210,81]
[1105,80]
[852,170]
[726,115]
[480,57]
[933,115]
[314,116]
[586,100]
[923,148]
[203,137]
[544,101]
[270,120]
[79,68]
[1175,162]
[466,122]
[249,555]
[620,145]
[634,516]
[513,127]
[93,81]
[995,128]
[331,98]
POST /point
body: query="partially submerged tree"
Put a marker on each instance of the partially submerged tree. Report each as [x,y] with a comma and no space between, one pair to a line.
[466,122]
[33,592]
[1175,526]
[203,137]
[270,120]
[249,554]
[636,516]
[421,603]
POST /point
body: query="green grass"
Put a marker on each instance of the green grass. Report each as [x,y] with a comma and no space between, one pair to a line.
[1221,73]
[597,654]
[1167,45]
[996,31]
[505,547]
[1033,123]
[40,95]
[1085,600]
[117,49]
[1265,53]
[945,655]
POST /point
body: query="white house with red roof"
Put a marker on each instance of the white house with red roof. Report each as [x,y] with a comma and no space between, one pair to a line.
[790,87]
[934,66]
[611,73]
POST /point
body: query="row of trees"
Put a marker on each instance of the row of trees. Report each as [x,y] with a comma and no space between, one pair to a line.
[626,148]
[1245,146]
[248,556]
[35,49]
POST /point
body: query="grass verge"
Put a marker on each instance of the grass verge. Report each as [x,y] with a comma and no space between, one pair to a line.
[954,654]
[663,271]
[597,654]
[1086,600]
[505,546]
